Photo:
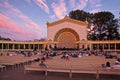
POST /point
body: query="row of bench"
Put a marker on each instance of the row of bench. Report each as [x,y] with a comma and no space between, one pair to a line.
[15,61]
[71,70]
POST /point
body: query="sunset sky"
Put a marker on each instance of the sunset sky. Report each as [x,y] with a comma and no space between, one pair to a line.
[26,19]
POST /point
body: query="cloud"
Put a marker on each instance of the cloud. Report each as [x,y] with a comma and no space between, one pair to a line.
[14,11]
[95,11]
[72,3]
[52,16]
[59,8]
[28,1]
[42,4]
[5,22]
[95,5]
[28,29]
[11,29]
[81,4]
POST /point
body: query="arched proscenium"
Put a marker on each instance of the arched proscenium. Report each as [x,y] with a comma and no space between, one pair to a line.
[66,30]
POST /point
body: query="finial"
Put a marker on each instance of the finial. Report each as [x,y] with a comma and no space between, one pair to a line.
[66,16]
[47,23]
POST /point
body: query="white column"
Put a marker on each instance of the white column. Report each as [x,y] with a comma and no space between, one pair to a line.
[24,46]
[103,46]
[108,47]
[18,46]
[33,46]
[115,46]
[90,45]
[38,47]
[8,46]
[44,46]
[2,46]
[29,46]
[13,47]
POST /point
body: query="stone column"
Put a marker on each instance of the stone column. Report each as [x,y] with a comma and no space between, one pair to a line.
[18,46]
[13,47]
[44,46]
[38,47]
[2,46]
[24,46]
[33,46]
[115,46]
[29,46]
[108,47]
[8,46]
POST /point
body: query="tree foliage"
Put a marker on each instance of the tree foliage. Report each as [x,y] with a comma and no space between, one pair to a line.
[6,39]
[102,25]
[79,15]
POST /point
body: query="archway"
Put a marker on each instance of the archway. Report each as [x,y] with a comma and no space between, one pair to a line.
[66,38]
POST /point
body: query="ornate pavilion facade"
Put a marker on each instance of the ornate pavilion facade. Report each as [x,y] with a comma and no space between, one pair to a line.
[64,33]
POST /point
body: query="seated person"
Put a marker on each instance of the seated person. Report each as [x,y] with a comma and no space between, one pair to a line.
[1,54]
[47,57]
[43,58]
[103,65]
[117,62]
[38,59]
[108,66]
[42,64]
[116,66]
[63,56]
[8,54]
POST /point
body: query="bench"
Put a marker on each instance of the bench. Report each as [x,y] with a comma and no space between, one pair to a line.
[3,68]
[51,68]
[108,71]
[71,70]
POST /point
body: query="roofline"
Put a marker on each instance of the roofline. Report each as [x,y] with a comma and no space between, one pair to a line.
[67,19]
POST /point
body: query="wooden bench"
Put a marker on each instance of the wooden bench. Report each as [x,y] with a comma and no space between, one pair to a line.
[16,61]
[3,68]
[72,69]
[53,68]
[28,68]
[108,71]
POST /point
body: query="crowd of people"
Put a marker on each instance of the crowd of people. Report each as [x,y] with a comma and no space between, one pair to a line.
[43,55]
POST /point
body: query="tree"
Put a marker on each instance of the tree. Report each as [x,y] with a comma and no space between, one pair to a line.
[119,25]
[101,25]
[79,15]
[2,38]
[105,26]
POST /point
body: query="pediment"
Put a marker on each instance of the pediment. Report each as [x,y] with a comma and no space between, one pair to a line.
[67,19]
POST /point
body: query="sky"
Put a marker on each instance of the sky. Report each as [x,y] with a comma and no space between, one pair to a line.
[24,20]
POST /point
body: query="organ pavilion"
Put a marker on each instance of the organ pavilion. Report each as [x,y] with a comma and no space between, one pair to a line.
[64,33]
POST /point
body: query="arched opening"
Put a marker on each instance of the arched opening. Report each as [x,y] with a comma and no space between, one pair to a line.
[66,38]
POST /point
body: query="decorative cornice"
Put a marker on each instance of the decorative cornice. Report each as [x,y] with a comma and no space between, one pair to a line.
[24,42]
[100,42]
[66,19]
[46,42]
